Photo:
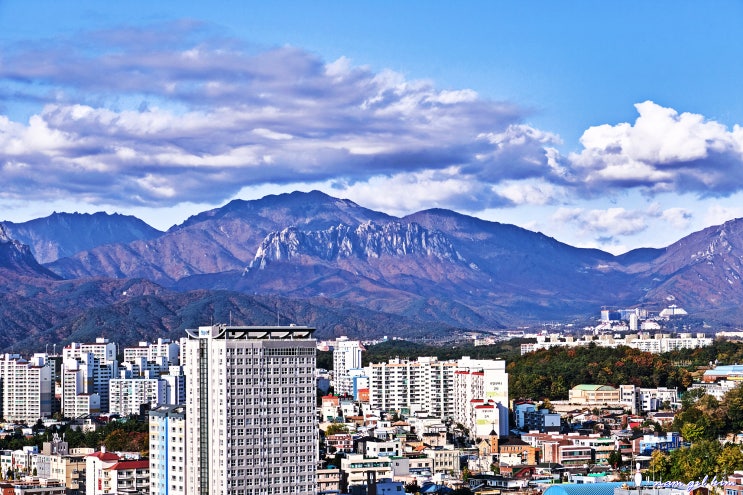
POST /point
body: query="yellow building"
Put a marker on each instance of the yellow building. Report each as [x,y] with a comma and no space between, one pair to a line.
[593,395]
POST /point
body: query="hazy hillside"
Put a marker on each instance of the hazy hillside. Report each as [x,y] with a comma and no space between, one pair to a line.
[63,234]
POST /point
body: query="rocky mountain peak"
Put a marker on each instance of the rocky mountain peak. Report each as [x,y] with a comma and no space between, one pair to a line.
[17,257]
[366,241]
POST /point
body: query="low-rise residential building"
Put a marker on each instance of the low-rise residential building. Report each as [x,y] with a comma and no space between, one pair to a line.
[513,451]
[329,480]
[638,399]
[356,466]
[588,394]
[339,442]
[107,473]
[542,420]
[444,460]
[129,476]
[31,486]
[649,443]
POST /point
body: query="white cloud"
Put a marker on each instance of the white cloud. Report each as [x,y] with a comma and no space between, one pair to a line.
[678,218]
[608,222]
[198,120]
[718,214]
[533,192]
[663,151]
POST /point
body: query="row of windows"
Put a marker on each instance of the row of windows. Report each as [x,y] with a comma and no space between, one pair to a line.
[299,464]
[273,440]
[284,410]
[249,390]
[255,368]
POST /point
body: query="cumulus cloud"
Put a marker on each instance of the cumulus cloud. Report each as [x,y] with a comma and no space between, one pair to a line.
[172,114]
[608,222]
[663,151]
[678,218]
[606,226]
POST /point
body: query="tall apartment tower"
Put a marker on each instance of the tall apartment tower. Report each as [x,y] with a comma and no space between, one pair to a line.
[96,362]
[167,446]
[424,387]
[481,396]
[346,357]
[26,388]
[251,425]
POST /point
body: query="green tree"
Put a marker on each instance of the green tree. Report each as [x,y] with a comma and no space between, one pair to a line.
[335,428]
[615,459]
[692,432]
[729,460]
[732,408]
[660,465]
[466,474]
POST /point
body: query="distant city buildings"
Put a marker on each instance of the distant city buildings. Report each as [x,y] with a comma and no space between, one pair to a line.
[233,411]
[655,344]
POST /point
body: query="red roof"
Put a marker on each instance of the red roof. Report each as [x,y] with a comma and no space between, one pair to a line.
[105,456]
[120,466]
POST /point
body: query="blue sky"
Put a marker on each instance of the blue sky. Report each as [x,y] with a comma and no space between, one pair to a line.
[603,124]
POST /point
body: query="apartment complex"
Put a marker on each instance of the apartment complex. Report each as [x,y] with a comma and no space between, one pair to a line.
[422,387]
[128,394]
[251,424]
[26,387]
[87,369]
[471,392]
[346,357]
[153,352]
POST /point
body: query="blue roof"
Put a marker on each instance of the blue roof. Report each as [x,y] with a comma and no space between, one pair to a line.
[726,369]
[583,489]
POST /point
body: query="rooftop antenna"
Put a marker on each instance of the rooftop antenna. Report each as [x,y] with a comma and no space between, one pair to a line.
[277,314]
[230,317]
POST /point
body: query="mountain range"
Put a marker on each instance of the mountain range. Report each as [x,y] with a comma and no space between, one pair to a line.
[312,259]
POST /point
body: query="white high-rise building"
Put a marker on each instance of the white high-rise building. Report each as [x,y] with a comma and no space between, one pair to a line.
[167,450]
[346,357]
[80,395]
[128,394]
[423,387]
[26,388]
[251,424]
[176,385]
[96,365]
[481,396]
[162,348]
